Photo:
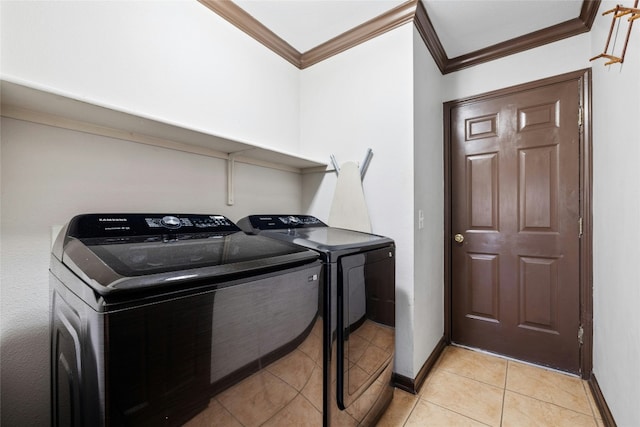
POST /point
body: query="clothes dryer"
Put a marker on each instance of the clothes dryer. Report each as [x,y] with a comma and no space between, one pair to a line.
[358,311]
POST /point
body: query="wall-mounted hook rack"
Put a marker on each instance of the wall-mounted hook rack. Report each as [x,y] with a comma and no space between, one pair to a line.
[363,167]
[618,12]
[335,164]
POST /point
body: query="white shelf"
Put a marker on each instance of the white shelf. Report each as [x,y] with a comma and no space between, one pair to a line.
[39,106]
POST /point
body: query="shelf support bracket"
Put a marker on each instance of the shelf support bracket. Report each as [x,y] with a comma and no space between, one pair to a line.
[231,165]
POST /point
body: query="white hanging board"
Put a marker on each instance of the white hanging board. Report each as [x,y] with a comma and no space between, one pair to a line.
[349,209]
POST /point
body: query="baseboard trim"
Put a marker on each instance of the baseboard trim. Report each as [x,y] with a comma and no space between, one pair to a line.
[607,416]
[413,385]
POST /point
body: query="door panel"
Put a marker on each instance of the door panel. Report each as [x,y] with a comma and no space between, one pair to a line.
[515,185]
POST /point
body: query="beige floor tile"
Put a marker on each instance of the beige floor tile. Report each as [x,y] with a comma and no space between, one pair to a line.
[317,328]
[359,408]
[523,411]
[312,391]
[312,347]
[356,377]
[299,413]
[342,418]
[257,398]
[549,386]
[367,330]
[427,414]
[476,400]
[214,416]
[294,369]
[399,409]
[475,365]
[384,338]
[356,347]
[373,359]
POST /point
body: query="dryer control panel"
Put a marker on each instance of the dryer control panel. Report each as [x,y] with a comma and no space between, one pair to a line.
[256,223]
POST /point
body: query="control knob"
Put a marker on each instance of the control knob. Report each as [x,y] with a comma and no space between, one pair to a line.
[171,221]
[293,220]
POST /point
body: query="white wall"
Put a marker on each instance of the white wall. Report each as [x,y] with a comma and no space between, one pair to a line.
[549,60]
[428,198]
[616,227]
[50,174]
[174,61]
[360,99]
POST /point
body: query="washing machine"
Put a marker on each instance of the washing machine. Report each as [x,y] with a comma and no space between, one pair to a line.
[156,317]
[357,308]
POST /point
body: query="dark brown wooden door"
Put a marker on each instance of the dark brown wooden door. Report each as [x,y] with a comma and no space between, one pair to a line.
[515,190]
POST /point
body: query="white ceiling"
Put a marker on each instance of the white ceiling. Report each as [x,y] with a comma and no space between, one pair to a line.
[463,26]
[305,24]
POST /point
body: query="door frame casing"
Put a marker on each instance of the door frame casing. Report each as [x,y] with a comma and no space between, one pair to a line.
[583,79]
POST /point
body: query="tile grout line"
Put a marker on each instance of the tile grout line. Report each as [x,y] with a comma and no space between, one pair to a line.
[411,411]
[456,412]
[227,409]
[420,397]
[551,403]
[504,392]
[556,387]
[511,359]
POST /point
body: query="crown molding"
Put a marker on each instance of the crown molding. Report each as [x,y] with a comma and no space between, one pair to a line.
[254,28]
[589,12]
[570,28]
[411,10]
[235,15]
[394,18]
[430,37]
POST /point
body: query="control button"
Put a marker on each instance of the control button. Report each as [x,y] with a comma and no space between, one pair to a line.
[171,221]
[293,220]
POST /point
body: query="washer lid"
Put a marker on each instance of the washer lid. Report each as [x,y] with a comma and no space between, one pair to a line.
[129,259]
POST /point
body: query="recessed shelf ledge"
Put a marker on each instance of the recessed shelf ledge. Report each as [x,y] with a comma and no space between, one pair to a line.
[30,104]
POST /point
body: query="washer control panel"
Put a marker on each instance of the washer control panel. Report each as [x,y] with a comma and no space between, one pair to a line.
[109,225]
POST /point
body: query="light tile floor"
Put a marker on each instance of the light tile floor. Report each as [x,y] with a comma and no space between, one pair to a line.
[288,392]
[469,388]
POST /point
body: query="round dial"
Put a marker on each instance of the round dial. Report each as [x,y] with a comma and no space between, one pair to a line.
[171,221]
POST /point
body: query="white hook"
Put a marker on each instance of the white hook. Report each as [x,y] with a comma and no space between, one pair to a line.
[335,164]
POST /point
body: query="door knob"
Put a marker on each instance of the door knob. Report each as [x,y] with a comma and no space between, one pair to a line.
[458,238]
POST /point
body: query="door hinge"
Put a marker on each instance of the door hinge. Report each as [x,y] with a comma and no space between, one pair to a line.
[580,335]
[580,227]
[580,116]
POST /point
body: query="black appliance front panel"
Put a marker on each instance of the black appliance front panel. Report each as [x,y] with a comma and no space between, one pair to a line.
[159,363]
[366,321]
